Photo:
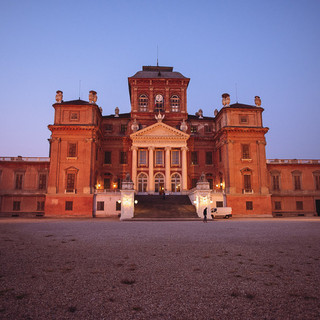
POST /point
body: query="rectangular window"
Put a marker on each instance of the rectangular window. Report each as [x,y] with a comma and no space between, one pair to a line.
[100,205]
[210,183]
[194,183]
[123,128]
[107,183]
[19,179]
[297,182]
[159,158]
[69,205]
[108,128]
[247,182]
[219,204]
[317,182]
[194,157]
[40,205]
[142,157]
[118,206]
[243,119]
[107,157]
[123,157]
[209,157]
[277,205]
[275,183]
[42,181]
[175,157]
[72,150]
[207,129]
[16,205]
[245,151]
[71,178]
[299,205]
[249,205]
[220,154]
[194,129]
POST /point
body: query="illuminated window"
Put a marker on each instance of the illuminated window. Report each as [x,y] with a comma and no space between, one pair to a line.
[143,103]
[245,151]
[142,157]
[142,182]
[175,182]
[175,103]
[72,150]
[159,158]
[159,182]
[175,157]
[194,129]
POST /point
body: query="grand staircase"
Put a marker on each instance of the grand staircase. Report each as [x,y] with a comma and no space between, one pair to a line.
[170,207]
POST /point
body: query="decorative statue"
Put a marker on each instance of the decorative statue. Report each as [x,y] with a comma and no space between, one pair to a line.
[127,178]
[200,114]
[257,101]
[159,117]
[134,126]
[59,96]
[226,99]
[116,112]
[93,96]
[215,112]
[183,126]
[203,178]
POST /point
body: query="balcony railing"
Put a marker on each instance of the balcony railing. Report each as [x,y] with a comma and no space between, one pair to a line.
[30,159]
[293,161]
[247,191]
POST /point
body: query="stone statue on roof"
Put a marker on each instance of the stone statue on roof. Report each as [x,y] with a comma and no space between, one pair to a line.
[59,96]
[226,99]
[257,101]
[159,117]
[116,112]
[93,96]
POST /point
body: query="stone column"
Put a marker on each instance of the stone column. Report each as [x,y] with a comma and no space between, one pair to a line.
[134,167]
[151,181]
[184,169]
[168,165]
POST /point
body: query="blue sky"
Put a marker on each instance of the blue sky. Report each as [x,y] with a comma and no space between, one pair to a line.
[266,48]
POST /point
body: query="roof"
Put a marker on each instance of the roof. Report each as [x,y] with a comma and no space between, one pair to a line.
[194,117]
[75,102]
[241,105]
[121,115]
[150,72]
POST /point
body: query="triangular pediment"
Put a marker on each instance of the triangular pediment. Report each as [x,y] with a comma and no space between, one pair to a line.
[159,133]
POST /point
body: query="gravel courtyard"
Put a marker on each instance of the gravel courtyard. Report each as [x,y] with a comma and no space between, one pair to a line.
[102,269]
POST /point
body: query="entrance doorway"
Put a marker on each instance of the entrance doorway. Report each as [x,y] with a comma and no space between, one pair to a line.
[159,182]
[318,207]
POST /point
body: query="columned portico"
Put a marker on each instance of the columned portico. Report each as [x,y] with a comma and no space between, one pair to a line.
[165,148]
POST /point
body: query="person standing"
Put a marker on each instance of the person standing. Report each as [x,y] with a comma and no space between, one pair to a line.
[205,211]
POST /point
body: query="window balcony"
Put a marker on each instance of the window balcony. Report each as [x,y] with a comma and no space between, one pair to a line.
[247,191]
[70,191]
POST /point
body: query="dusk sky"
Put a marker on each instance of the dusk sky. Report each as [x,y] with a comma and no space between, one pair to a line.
[266,48]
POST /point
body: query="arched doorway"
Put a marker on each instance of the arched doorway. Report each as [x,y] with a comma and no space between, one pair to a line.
[142,182]
[159,182]
[175,182]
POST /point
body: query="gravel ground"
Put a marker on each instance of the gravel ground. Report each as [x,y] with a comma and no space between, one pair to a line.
[102,269]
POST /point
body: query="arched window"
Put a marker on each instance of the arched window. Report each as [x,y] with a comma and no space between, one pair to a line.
[158,103]
[143,103]
[142,182]
[159,182]
[175,103]
[175,182]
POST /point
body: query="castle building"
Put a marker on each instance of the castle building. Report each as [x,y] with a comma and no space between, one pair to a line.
[163,149]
